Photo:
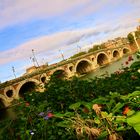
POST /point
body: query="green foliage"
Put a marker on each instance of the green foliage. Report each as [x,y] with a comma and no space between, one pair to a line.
[78,54]
[130,38]
[108,116]
[95,48]
[65,109]
[135,65]
[134,121]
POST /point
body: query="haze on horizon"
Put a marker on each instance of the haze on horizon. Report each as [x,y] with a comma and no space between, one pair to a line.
[49,26]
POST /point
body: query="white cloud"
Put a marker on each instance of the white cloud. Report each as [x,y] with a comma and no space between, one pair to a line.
[17,11]
[47,44]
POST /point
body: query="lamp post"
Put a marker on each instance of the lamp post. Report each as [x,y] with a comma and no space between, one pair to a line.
[133,33]
[13,69]
[34,58]
[79,47]
[61,54]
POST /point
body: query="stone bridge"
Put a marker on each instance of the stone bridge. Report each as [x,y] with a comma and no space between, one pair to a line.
[36,80]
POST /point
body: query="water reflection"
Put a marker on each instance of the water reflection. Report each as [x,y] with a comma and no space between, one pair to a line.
[112,67]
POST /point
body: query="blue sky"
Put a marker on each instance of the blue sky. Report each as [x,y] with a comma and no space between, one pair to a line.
[49,26]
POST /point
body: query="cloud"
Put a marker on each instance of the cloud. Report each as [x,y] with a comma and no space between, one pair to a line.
[18,11]
[47,44]
[21,11]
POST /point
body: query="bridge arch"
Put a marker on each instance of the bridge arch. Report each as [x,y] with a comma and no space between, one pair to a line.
[10,92]
[102,58]
[83,66]
[43,78]
[125,50]
[71,67]
[59,73]
[27,86]
[116,54]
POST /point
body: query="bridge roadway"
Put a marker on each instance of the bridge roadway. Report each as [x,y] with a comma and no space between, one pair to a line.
[15,88]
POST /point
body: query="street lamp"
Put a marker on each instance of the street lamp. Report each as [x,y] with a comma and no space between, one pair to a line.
[61,54]
[34,58]
[13,69]
[79,47]
[133,33]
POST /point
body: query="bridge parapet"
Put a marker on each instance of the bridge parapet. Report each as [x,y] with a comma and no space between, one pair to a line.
[48,68]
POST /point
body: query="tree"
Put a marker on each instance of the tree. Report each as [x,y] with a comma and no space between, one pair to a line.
[78,54]
[94,48]
[130,38]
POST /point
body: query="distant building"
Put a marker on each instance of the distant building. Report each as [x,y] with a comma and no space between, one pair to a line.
[121,41]
[116,42]
[31,69]
[34,68]
[109,44]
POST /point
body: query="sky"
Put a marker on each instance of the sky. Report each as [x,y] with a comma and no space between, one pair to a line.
[55,27]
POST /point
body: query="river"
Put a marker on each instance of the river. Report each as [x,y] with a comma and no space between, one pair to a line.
[111,68]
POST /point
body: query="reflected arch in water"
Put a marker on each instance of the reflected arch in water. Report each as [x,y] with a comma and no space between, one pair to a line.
[102,59]
[83,66]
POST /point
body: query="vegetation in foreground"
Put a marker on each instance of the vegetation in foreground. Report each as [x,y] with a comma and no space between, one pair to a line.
[104,108]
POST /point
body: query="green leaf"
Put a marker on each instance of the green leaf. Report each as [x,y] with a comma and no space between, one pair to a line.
[64,123]
[133,94]
[134,121]
[59,115]
[117,107]
[120,119]
[104,114]
[102,136]
[121,128]
[69,114]
[100,100]
[97,121]
[75,106]
[88,105]
[130,112]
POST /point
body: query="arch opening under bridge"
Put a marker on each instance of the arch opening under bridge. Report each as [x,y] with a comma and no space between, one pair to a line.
[10,93]
[116,54]
[59,74]
[83,67]
[27,87]
[126,51]
[102,59]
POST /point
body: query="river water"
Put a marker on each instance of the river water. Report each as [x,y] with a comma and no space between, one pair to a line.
[111,68]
